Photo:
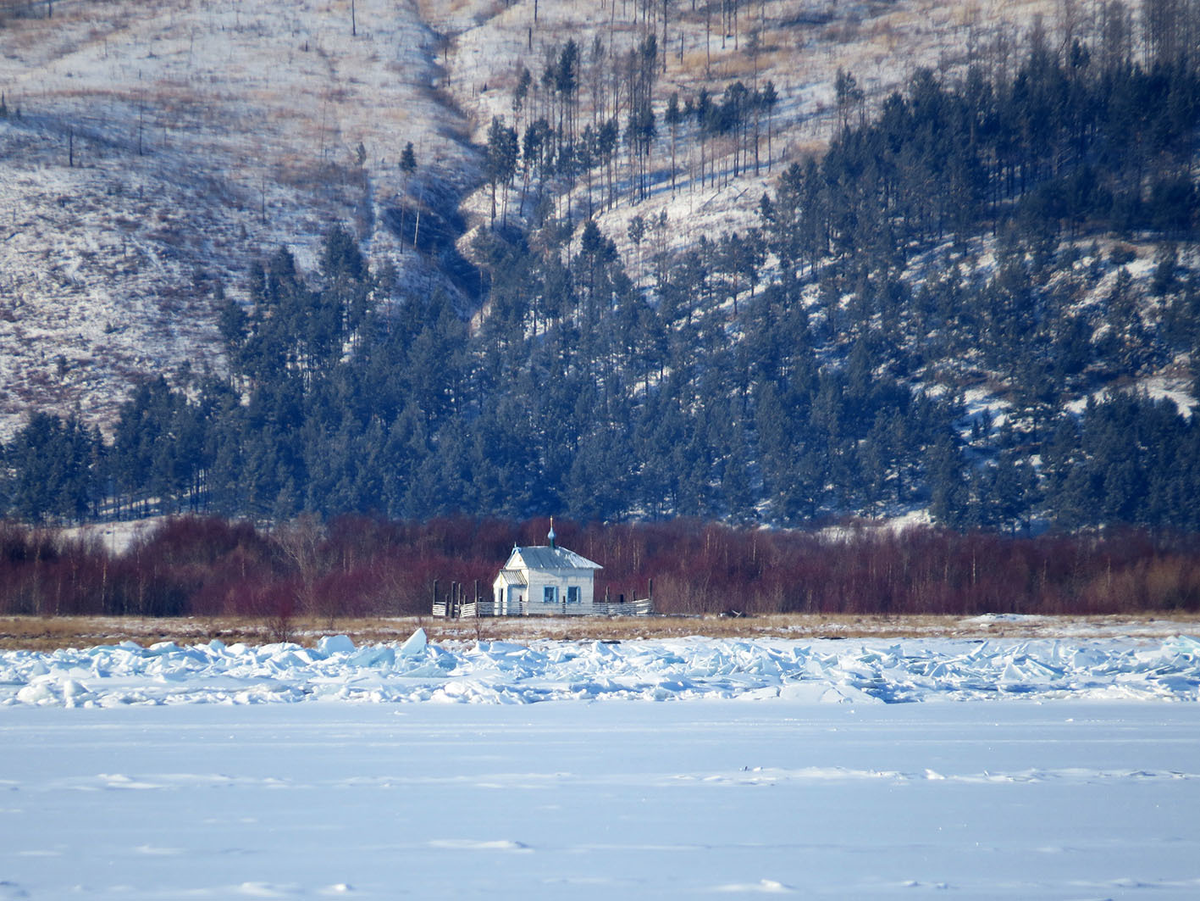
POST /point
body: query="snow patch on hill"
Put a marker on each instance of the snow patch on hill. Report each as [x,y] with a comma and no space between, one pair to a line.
[152,150]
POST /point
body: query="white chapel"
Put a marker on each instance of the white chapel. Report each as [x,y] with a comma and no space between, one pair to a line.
[545,580]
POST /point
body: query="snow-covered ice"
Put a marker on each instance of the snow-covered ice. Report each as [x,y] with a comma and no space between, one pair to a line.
[1063,769]
[829,670]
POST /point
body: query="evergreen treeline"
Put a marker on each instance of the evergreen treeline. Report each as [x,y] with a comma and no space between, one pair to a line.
[1066,146]
[354,566]
[773,374]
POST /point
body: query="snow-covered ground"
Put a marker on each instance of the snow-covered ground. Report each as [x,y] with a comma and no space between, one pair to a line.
[1051,769]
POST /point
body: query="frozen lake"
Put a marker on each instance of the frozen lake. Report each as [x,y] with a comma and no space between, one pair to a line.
[1048,769]
[978,799]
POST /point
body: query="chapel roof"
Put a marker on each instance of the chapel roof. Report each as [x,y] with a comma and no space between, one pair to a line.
[541,557]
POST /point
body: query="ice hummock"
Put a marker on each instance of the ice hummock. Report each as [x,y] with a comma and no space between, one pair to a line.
[826,671]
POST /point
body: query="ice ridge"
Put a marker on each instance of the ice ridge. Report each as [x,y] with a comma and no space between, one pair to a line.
[860,672]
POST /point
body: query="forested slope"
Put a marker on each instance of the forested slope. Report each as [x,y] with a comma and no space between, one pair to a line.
[942,310]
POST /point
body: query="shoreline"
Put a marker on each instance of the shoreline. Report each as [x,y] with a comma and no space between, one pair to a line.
[36,633]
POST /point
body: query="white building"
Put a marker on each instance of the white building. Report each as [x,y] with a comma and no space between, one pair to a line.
[545,580]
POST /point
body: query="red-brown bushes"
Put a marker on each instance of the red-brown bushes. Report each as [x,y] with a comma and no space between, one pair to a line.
[360,566]
[47,575]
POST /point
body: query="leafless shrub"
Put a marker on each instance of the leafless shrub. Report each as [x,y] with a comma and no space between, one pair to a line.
[359,567]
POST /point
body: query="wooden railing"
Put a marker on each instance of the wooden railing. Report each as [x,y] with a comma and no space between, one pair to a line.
[472,609]
[644,607]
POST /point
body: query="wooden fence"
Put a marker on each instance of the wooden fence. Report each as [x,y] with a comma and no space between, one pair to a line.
[453,608]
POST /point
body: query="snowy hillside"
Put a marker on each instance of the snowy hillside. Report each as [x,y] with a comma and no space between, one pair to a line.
[149,151]
[801,46]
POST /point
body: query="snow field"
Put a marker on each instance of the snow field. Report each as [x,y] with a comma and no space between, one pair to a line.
[1064,799]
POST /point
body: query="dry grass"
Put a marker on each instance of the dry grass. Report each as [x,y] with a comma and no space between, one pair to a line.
[48,634]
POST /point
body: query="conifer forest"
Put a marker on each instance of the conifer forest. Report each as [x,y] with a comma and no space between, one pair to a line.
[813,365]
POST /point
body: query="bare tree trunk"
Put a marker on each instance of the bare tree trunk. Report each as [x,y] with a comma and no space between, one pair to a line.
[417,226]
[664,41]
[707,38]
